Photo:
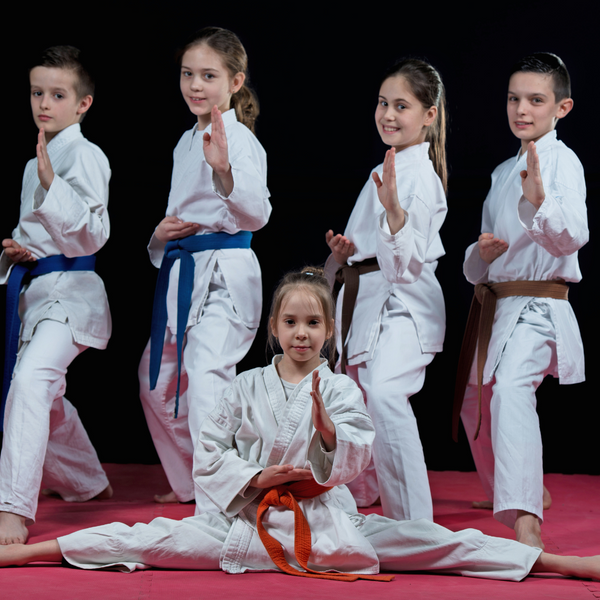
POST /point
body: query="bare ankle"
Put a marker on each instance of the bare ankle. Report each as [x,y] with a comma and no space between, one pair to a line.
[12,529]
[528,530]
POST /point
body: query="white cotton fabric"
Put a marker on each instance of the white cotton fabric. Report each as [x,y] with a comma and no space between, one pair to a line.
[71,218]
[254,427]
[397,326]
[407,259]
[542,245]
[61,313]
[531,337]
[226,299]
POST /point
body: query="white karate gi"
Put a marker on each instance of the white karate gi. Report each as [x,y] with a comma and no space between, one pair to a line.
[397,327]
[531,337]
[62,313]
[226,300]
[254,427]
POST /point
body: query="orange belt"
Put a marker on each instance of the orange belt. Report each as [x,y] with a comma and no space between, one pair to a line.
[479,331]
[349,275]
[286,495]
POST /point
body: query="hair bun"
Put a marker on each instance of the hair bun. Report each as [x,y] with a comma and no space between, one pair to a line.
[319,272]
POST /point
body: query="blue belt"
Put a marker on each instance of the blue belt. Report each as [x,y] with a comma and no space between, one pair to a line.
[183,250]
[21,273]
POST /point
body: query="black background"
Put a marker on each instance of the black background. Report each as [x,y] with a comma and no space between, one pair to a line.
[316,70]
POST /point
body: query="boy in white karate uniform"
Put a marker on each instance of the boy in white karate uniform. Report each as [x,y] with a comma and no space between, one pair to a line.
[63,309]
[534,222]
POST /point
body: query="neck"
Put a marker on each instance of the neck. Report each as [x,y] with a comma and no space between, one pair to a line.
[294,372]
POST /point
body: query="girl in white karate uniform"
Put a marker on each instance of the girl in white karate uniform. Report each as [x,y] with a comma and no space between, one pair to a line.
[398,323]
[218,191]
[296,425]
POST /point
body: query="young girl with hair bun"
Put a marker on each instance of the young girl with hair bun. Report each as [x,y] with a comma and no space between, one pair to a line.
[391,309]
[208,297]
[289,436]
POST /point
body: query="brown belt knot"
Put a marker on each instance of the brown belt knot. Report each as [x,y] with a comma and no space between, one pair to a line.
[349,275]
[478,331]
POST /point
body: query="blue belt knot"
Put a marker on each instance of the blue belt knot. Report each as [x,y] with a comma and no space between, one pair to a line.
[182,249]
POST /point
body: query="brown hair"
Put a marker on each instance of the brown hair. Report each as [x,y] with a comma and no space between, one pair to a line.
[547,63]
[311,280]
[228,46]
[426,84]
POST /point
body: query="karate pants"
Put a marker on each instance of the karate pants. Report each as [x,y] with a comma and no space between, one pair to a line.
[196,543]
[397,474]
[43,435]
[508,450]
[212,349]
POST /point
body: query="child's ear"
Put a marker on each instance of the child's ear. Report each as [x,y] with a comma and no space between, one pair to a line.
[331,328]
[564,107]
[430,116]
[84,104]
[273,327]
[237,82]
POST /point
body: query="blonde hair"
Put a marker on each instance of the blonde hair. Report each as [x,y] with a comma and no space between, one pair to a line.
[311,280]
[229,47]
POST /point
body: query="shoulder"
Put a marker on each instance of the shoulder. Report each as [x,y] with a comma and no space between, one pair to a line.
[80,156]
[562,157]
[503,166]
[91,151]
[185,140]
[336,383]
[241,140]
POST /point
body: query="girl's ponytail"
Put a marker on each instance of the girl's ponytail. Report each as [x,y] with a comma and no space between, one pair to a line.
[245,103]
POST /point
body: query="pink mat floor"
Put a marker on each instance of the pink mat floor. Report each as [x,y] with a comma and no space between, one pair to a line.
[572,526]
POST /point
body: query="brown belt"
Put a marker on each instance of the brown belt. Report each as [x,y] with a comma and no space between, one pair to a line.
[479,331]
[349,275]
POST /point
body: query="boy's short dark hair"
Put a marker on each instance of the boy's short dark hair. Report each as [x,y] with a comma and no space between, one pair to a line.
[68,57]
[547,64]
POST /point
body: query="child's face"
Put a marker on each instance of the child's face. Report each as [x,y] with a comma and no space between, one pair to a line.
[532,108]
[400,117]
[54,102]
[205,81]
[301,329]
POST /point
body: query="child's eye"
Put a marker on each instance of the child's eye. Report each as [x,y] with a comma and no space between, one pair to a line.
[400,107]
[58,96]
[314,322]
[186,73]
[289,321]
[209,76]
[36,93]
[383,103]
[512,99]
[536,100]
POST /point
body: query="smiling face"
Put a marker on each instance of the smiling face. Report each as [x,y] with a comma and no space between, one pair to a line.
[400,117]
[206,82]
[532,108]
[301,329]
[54,102]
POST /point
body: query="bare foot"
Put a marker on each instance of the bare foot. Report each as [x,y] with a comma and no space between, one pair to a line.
[12,529]
[547,499]
[528,530]
[105,494]
[166,498]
